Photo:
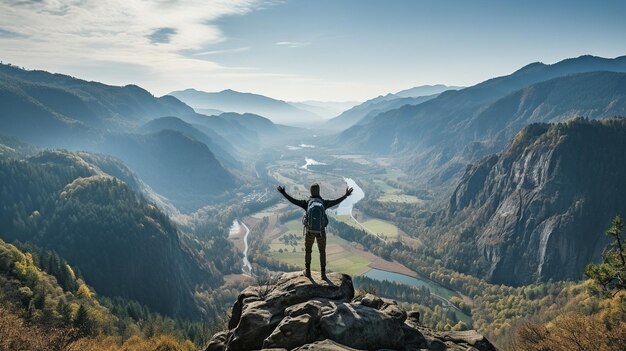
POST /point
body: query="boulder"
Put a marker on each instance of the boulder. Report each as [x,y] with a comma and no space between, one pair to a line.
[292,332]
[218,342]
[370,300]
[299,313]
[362,327]
[324,345]
[468,337]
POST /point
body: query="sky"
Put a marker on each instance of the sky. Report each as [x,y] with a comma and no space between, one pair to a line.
[297,50]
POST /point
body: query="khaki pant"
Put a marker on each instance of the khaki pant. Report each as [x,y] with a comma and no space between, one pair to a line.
[309,238]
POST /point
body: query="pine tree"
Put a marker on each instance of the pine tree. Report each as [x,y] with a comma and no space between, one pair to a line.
[82,321]
[610,275]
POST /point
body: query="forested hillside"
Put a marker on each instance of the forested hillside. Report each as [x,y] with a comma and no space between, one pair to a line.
[58,200]
[46,305]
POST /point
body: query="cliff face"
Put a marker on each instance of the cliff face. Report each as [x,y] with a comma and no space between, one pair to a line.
[538,210]
[298,313]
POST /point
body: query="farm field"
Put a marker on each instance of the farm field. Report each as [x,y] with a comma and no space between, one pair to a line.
[382,229]
[289,248]
[270,211]
[392,194]
[386,229]
[400,198]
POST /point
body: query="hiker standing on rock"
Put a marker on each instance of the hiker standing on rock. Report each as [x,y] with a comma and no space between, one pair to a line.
[315,222]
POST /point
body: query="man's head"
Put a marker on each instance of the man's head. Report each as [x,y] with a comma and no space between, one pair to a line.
[315,190]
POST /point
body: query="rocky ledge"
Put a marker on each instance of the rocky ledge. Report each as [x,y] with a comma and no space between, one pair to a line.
[298,313]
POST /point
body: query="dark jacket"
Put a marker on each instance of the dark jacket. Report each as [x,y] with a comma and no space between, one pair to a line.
[304,203]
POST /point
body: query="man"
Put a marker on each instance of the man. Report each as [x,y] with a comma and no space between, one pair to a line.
[311,235]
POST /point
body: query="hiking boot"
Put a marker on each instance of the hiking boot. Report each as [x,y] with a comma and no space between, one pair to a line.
[307,273]
[324,275]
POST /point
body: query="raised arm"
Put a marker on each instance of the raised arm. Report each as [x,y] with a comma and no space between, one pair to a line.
[335,202]
[300,203]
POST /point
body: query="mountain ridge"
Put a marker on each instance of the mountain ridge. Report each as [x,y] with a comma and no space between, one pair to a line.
[433,137]
[173,164]
[60,111]
[382,103]
[229,100]
[216,143]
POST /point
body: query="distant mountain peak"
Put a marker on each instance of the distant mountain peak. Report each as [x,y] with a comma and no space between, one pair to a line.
[425,90]
[231,91]
[576,61]
[531,67]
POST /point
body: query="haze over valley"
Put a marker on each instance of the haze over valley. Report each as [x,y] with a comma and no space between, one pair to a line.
[140,211]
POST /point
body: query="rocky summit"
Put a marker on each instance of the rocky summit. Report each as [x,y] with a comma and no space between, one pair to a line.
[294,312]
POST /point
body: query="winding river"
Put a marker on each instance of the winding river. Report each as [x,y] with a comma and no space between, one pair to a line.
[310,162]
[438,291]
[235,228]
[345,208]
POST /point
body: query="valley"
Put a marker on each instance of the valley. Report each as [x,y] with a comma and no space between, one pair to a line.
[278,231]
[465,209]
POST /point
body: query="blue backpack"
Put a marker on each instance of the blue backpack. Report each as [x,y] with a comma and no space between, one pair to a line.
[315,219]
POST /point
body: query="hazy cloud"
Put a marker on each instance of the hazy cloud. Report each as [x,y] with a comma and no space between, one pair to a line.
[222,51]
[67,35]
[114,41]
[119,28]
[292,44]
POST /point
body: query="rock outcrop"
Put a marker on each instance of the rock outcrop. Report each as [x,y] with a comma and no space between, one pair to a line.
[538,210]
[300,313]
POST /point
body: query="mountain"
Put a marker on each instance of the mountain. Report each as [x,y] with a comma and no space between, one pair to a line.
[294,312]
[38,106]
[590,95]
[222,149]
[538,210]
[371,108]
[247,132]
[325,109]
[425,90]
[233,101]
[375,109]
[54,110]
[182,169]
[365,112]
[123,245]
[209,111]
[263,126]
[438,137]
